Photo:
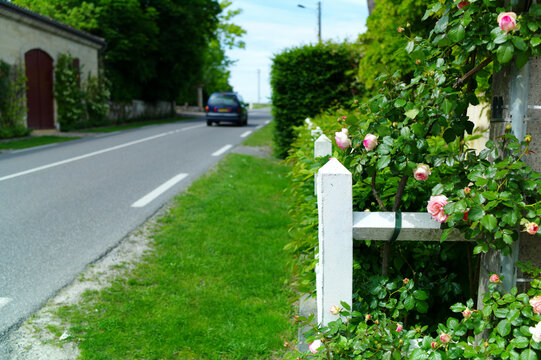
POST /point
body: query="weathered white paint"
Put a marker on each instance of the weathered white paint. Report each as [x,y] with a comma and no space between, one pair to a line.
[335,273]
[416,226]
[322,147]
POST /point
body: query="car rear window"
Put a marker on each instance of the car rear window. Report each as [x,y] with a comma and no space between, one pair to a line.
[225,100]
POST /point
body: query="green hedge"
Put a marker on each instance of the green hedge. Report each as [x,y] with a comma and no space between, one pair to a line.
[307,80]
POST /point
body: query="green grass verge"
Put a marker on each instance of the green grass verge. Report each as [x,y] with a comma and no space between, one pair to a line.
[262,137]
[33,142]
[214,286]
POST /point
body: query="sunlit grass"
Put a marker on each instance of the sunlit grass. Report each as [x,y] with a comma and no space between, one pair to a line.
[215,285]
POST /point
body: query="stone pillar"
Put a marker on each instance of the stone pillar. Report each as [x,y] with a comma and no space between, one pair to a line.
[516,100]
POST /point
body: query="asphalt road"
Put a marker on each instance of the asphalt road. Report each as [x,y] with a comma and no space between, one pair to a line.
[64,206]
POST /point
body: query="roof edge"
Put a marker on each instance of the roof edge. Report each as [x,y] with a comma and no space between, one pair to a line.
[36,16]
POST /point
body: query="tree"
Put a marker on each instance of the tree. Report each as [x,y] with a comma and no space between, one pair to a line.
[217,63]
[383,44]
[155,48]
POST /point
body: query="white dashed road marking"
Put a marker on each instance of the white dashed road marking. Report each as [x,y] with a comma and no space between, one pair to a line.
[222,150]
[244,134]
[158,191]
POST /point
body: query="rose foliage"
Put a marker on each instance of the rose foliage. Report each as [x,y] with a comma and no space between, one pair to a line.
[410,142]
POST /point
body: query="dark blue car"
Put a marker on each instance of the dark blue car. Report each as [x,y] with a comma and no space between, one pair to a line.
[228,107]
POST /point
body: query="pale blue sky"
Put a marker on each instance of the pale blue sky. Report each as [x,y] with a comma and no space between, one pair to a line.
[275,25]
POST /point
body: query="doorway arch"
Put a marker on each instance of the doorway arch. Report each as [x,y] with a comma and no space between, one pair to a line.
[39,93]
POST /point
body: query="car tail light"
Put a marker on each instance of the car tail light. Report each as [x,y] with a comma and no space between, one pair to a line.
[215,109]
[238,109]
[207,108]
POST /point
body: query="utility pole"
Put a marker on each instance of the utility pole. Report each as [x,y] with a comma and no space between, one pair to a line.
[318,19]
[258,86]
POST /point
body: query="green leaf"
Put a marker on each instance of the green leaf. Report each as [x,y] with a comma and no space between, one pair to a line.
[489,222]
[410,47]
[421,307]
[409,303]
[490,195]
[505,52]
[535,41]
[447,106]
[476,213]
[442,23]
[503,328]
[519,43]
[412,113]
[420,295]
[418,354]
[528,354]
[383,162]
[399,103]
[457,33]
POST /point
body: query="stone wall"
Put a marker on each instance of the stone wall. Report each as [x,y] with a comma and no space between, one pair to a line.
[138,109]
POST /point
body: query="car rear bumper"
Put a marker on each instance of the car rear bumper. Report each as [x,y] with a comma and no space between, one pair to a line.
[232,117]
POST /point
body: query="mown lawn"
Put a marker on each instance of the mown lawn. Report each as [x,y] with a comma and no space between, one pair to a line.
[215,286]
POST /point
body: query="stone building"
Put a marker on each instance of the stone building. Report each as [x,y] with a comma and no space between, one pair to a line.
[34,42]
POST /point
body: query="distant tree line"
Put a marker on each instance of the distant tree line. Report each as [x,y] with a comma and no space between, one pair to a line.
[156,49]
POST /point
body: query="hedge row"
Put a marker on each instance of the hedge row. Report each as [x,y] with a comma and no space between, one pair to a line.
[308,80]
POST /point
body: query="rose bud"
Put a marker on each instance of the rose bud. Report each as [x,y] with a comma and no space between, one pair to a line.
[342,139]
[532,228]
[399,327]
[461,5]
[528,138]
[467,190]
[421,172]
[467,313]
[406,281]
[494,278]
[445,338]
[367,317]
[507,21]
[370,142]
[335,310]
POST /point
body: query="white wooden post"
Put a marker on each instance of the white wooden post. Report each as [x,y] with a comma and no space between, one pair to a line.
[335,207]
[322,146]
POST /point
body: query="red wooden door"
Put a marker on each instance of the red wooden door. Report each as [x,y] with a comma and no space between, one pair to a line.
[39,93]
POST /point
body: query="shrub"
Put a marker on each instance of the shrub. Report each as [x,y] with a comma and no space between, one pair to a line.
[307,80]
[12,104]
[78,105]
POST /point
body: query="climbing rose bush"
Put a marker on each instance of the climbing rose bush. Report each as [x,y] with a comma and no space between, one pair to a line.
[511,326]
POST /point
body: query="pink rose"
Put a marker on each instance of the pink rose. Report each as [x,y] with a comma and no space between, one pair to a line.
[536,332]
[532,228]
[313,346]
[445,338]
[467,313]
[461,5]
[435,208]
[535,302]
[370,142]
[421,172]
[507,21]
[335,310]
[342,139]
[399,327]
[494,278]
